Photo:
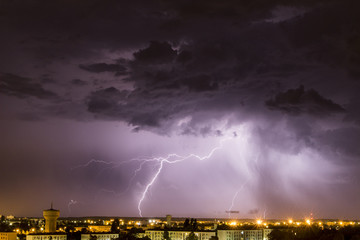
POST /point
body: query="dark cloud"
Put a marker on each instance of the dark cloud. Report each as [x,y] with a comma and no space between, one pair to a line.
[29,117]
[353,47]
[298,101]
[342,141]
[198,71]
[200,83]
[47,79]
[136,108]
[22,87]
[104,67]
[156,53]
[353,114]
[106,101]
[78,82]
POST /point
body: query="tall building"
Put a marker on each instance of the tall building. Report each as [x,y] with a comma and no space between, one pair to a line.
[51,215]
[168,220]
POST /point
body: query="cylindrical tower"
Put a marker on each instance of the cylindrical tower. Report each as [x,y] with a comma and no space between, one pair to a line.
[51,215]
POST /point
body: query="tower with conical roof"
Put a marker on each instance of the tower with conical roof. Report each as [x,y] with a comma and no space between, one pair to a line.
[51,215]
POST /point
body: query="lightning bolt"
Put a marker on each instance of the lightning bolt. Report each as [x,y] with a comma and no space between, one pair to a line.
[134,176]
[72,202]
[241,188]
[90,162]
[235,196]
[169,160]
[148,186]
[159,162]
[264,217]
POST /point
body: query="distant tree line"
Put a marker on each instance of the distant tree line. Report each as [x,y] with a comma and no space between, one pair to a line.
[316,233]
[4,226]
[190,224]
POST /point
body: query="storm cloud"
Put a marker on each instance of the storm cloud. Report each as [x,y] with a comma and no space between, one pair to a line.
[104,67]
[22,87]
[89,89]
[297,101]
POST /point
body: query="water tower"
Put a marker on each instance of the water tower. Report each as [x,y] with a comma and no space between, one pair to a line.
[51,215]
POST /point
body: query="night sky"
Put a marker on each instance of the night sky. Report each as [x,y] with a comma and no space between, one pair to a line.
[258,100]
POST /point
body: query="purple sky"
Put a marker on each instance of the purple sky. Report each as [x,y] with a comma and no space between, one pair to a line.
[95,95]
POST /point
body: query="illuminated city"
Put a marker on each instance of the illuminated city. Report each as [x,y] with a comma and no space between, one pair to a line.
[107,228]
[179,119]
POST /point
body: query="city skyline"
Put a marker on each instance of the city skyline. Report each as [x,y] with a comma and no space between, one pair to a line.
[205,109]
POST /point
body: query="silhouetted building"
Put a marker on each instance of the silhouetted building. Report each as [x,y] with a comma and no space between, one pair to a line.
[168,220]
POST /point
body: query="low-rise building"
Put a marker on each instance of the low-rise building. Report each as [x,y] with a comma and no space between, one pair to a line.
[266,233]
[253,235]
[99,228]
[256,234]
[140,235]
[179,235]
[54,236]
[99,236]
[8,235]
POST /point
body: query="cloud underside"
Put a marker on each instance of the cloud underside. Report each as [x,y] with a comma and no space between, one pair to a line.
[201,64]
[22,87]
[287,71]
[297,101]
